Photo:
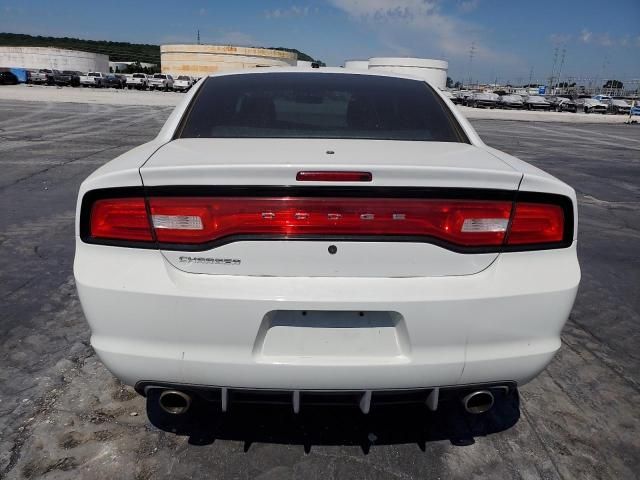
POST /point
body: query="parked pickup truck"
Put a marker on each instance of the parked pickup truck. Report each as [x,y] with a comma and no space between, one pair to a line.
[93,79]
[138,81]
[183,83]
[161,81]
[67,78]
[38,76]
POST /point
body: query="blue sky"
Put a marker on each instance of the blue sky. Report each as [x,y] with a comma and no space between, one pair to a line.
[511,39]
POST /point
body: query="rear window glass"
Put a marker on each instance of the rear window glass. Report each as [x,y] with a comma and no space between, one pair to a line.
[138,75]
[319,105]
[157,75]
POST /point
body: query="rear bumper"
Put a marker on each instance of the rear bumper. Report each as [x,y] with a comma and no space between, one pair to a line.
[153,322]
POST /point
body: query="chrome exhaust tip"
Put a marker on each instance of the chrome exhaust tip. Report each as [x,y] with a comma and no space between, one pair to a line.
[174,402]
[480,401]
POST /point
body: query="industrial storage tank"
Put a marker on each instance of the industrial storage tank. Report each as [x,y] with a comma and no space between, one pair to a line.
[433,71]
[357,64]
[53,58]
[201,60]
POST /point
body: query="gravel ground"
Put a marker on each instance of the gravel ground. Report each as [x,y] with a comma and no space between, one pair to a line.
[62,415]
[110,96]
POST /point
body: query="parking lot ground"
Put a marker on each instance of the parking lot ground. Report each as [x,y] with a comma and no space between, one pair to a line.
[62,415]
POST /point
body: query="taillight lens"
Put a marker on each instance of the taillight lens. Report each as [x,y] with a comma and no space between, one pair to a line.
[120,219]
[535,223]
[199,220]
[205,220]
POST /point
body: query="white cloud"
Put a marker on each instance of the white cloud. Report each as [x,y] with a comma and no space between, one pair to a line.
[408,26]
[559,38]
[292,12]
[604,40]
[468,6]
[385,10]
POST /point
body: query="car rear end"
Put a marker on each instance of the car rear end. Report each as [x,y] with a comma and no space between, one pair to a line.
[137,80]
[309,234]
[92,79]
[39,77]
[182,83]
[158,82]
[64,78]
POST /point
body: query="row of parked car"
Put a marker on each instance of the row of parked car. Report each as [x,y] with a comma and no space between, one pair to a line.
[559,103]
[139,81]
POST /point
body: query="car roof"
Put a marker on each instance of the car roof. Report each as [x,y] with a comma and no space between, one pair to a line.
[317,71]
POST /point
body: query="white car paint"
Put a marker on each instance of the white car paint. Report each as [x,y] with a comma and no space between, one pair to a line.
[442,318]
[183,82]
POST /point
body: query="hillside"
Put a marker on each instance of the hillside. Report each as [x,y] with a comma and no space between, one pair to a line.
[117,51]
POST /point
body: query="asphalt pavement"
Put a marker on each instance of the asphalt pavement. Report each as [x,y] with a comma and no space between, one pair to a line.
[62,415]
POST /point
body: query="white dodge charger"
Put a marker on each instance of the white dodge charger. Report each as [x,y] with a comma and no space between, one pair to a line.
[323,234]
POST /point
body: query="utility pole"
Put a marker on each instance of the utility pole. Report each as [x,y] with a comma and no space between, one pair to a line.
[472,52]
[198,36]
[605,62]
[530,76]
[564,51]
[553,68]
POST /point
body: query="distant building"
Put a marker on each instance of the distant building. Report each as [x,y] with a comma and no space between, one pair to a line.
[53,58]
[201,60]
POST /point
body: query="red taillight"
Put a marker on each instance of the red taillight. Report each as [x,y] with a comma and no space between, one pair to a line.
[199,220]
[120,219]
[204,220]
[322,176]
[535,223]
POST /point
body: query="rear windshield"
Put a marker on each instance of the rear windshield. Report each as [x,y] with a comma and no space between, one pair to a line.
[138,75]
[319,105]
[182,77]
[157,75]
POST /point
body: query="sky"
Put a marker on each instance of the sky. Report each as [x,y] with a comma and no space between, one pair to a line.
[512,41]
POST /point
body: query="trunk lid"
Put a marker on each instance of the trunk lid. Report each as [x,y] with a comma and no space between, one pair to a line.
[201,164]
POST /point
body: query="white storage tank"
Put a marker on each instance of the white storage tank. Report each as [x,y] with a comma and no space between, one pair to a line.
[201,60]
[53,58]
[357,64]
[433,71]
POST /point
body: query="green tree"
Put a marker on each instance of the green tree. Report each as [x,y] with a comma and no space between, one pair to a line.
[613,84]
